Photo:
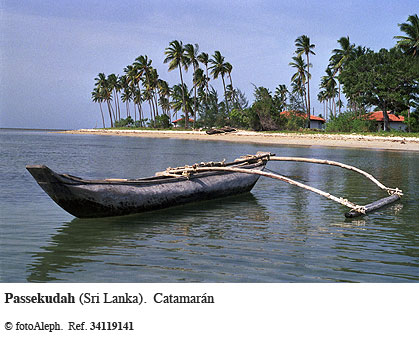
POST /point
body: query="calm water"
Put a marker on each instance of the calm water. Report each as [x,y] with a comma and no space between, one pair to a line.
[276,233]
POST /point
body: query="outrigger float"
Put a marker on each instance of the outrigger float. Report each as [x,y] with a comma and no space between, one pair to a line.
[175,186]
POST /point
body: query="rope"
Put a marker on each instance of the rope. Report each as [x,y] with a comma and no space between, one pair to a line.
[188,171]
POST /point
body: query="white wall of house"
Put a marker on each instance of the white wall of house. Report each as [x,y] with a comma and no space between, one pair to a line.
[316,125]
[398,126]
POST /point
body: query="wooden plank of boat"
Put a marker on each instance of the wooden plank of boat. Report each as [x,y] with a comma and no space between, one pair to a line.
[115,197]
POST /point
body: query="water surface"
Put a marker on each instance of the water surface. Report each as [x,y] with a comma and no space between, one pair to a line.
[276,233]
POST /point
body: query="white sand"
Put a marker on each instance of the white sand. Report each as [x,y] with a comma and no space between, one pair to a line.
[328,140]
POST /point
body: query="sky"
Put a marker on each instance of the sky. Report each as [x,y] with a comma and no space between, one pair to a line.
[51,50]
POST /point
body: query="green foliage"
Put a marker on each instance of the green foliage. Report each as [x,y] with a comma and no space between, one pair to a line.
[238,118]
[295,121]
[350,122]
[211,112]
[266,110]
[162,121]
[252,119]
[412,122]
[409,43]
[265,113]
[386,79]
[127,122]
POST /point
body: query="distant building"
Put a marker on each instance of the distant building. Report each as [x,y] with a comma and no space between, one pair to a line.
[316,122]
[177,121]
[396,122]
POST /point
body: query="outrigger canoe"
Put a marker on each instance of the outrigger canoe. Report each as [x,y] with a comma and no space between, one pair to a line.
[116,197]
[175,186]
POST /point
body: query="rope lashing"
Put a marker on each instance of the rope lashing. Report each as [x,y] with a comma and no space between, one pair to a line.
[342,201]
[186,171]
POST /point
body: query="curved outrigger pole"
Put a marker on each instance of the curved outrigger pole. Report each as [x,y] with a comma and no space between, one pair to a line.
[356,210]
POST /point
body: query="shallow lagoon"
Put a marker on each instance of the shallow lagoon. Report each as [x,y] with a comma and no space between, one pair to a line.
[276,233]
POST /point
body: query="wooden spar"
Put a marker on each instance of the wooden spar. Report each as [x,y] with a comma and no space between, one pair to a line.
[356,210]
[390,191]
[374,205]
[187,171]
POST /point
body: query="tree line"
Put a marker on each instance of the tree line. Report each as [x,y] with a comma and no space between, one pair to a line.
[387,80]
[141,84]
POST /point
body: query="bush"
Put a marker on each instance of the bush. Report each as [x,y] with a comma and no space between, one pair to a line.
[238,119]
[350,122]
[412,122]
[127,122]
[162,121]
[294,121]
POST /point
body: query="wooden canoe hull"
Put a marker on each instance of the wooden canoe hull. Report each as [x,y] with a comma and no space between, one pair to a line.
[102,198]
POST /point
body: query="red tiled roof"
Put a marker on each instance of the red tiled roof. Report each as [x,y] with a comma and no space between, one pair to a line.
[379,116]
[180,119]
[312,117]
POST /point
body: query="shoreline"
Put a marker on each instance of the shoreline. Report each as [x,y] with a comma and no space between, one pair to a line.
[314,140]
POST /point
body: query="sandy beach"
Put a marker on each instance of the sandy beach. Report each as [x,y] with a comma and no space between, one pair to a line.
[314,140]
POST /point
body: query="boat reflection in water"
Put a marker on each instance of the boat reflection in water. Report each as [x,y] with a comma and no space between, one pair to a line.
[156,241]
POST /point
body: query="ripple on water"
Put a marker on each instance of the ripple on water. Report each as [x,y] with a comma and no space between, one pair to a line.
[278,233]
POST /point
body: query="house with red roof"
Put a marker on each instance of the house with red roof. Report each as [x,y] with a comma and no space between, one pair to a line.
[316,122]
[176,123]
[395,122]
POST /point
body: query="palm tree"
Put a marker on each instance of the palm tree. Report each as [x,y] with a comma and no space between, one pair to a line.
[204,59]
[340,57]
[138,100]
[328,83]
[229,69]
[200,79]
[322,97]
[299,78]
[175,56]
[142,65]
[281,93]
[219,67]
[304,46]
[179,95]
[409,43]
[191,53]
[164,94]
[102,86]
[148,96]
[133,78]
[154,81]
[126,95]
[114,86]
[97,97]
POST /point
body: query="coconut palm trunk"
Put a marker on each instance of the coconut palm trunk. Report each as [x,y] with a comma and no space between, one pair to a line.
[339,99]
[308,90]
[225,92]
[207,80]
[110,112]
[183,98]
[194,106]
[101,112]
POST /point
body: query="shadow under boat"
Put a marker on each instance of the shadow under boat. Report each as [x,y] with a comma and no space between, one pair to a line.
[78,242]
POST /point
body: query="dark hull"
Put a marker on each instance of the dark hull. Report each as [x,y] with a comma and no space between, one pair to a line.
[103,198]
